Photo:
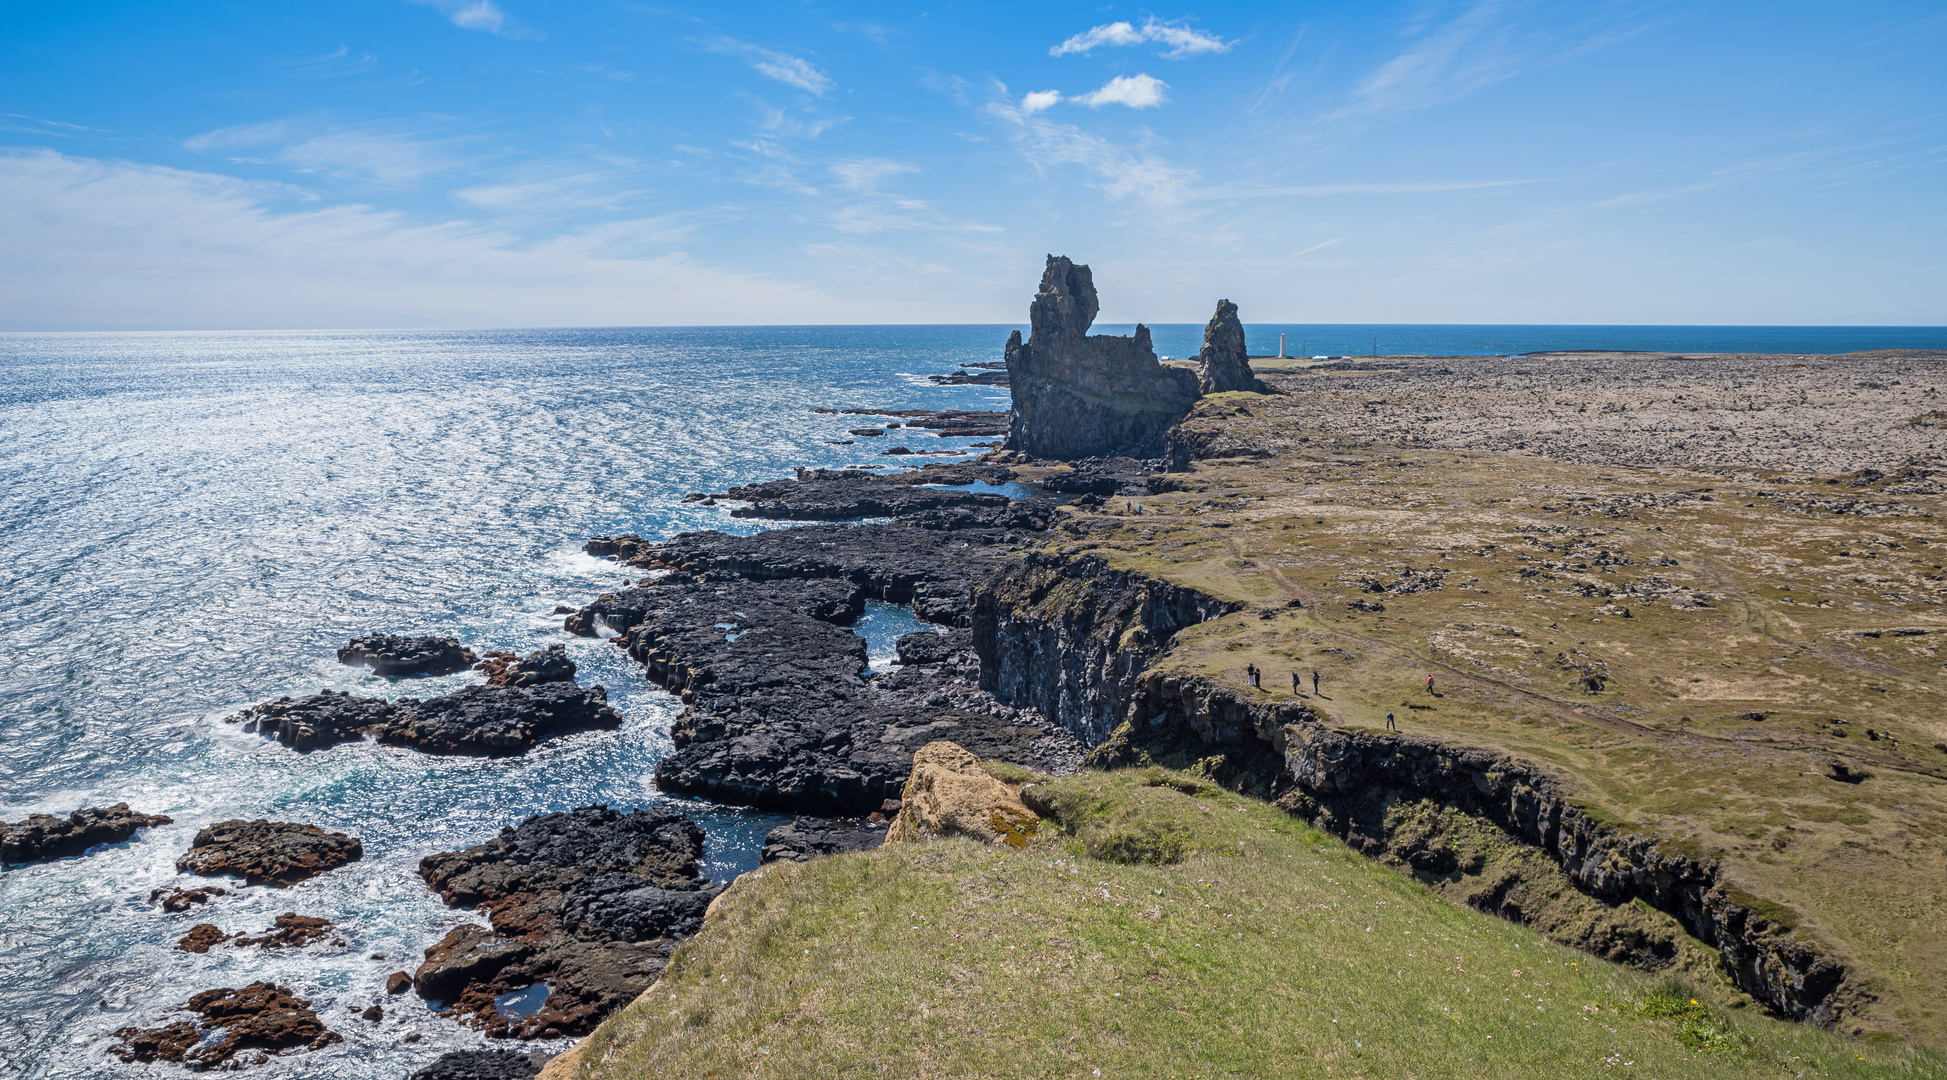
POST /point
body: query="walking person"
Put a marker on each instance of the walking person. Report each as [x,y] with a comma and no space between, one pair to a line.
[1295,688]
[1314,680]
[1429,684]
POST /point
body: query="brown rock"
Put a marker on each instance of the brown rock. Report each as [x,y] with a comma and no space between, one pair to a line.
[398,983]
[202,938]
[268,852]
[45,836]
[259,1016]
[949,794]
[374,1014]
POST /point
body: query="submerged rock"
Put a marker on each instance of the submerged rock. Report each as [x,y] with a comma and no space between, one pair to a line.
[268,852]
[949,794]
[1080,396]
[322,720]
[398,656]
[806,838]
[588,903]
[844,494]
[482,1065]
[44,836]
[1224,363]
[179,899]
[261,1016]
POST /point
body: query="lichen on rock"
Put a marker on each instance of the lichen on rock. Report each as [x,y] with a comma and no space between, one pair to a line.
[949,794]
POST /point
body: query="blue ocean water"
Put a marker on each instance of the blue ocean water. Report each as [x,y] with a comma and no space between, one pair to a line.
[193,522]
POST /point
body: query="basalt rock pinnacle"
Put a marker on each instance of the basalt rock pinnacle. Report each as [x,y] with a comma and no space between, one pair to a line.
[1079,396]
[1224,363]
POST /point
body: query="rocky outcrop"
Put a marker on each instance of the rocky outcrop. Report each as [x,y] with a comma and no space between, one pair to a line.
[541,666]
[1224,363]
[226,1023]
[482,1065]
[44,836]
[479,721]
[949,794]
[1069,636]
[397,656]
[806,838]
[1080,396]
[589,903]
[265,852]
[848,494]
[488,721]
[289,931]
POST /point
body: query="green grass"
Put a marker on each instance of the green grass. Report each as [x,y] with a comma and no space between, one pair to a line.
[1254,947]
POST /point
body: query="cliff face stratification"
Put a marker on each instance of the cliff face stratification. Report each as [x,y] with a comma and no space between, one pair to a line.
[1079,396]
[1224,363]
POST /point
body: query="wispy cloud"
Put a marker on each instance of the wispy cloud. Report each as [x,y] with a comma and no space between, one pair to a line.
[1182,41]
[783,67]
[869,174]
[98,243]
[1486,43]
[482,15]
[385,154]
[1317,247]
[1409,187]
[1135,91]
[1120,172]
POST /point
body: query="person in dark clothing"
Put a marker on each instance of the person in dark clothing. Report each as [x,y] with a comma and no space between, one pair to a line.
[1314,680]
[1390,726]
[1295,688]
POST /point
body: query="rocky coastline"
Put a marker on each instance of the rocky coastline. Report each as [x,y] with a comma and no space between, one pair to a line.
[1046,654]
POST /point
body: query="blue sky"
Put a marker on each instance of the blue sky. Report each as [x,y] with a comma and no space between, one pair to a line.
[460,163]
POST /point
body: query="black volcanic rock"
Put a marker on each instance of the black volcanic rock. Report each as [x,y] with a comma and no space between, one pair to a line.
[42,837]
[1224,363]
[841,495]
[805,838]
[265,852]
[1080,396]
[1107,477]
[589,902]
[396,656]
[482,1065]
[261,1016]
[493,721]
[927,647]
[481,721]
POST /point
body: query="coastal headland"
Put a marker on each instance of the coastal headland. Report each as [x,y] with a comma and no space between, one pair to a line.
[1394,716]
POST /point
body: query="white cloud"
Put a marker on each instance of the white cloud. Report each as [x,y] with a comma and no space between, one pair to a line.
[1407,187]
[1039,100]
[1135,91]
[783,67]
[107,244]
[1182,40]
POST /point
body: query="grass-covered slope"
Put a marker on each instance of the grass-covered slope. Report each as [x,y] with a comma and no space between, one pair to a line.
[1258,947]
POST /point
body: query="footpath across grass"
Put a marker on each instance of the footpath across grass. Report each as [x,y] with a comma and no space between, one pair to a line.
[1239,942]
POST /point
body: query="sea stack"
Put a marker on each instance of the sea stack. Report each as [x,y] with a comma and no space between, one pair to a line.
[1078,396]
[1224,363]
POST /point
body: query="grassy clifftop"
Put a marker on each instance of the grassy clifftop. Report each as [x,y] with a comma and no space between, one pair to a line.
[1743,663]
[1240,943]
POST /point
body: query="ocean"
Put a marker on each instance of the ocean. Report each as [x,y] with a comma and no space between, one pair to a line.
[193,522]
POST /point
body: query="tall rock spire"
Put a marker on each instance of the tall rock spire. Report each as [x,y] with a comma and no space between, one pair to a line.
[1077,395]
[1224,364]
